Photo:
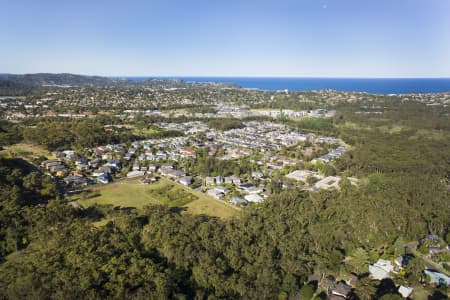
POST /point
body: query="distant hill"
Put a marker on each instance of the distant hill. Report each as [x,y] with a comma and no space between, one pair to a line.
[13,81]
[42,79]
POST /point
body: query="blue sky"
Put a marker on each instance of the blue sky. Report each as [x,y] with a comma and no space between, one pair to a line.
[314,38]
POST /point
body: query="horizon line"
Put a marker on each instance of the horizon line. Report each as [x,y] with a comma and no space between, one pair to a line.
[240,76]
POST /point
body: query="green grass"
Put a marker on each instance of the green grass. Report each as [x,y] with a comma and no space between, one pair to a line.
[26,151]
[131,193]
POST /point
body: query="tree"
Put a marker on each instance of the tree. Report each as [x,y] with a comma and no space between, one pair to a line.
[359,261]
[414,269]
[307,292]
[365,290]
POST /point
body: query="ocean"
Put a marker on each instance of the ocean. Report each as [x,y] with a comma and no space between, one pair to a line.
[369,85]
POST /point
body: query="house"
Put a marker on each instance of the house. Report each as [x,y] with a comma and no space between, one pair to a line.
[255,198]
[228,180]
[152,168]
[49,163]
[254,190]
[303,175]
[98,172]
[209,180]
[238,200]
[76,181]
[342,290]
[437,278]
[187,152]
[219,180]
[116,164]
[215,194]
[330,182]
[104,178]
[134,174]
[222,189]
[249,188]
[406,292]
[186,180]
[107,169]
[380,270]
[236,180]
[165,170]
[175,174]
[352,281]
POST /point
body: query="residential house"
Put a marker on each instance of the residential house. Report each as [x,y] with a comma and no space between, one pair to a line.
[381,269]
[219,180]
[76,181]
[330,182]
[222,189]
[406,292]
[209,180]
[238,200]
[228,180]
[236,180]
[342,290]
[255,198]
[436,278]
[104,178]
[187,180]
[215,194]
[134,174]
[165,170]
[175,174]
[352,281]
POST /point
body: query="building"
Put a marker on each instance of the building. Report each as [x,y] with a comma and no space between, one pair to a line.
[134,174]
[238,200]
[215,194]
[209,180]
[406,292]
[187,180]
[255,198]
[437,278]
[342,290]
[381,269]
[330,182]
[303,175]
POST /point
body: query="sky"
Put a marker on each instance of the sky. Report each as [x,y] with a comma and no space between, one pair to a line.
[279,38]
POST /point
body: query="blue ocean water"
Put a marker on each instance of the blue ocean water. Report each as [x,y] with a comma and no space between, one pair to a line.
[369,85]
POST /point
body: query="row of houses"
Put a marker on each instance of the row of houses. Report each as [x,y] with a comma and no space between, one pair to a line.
[263,136]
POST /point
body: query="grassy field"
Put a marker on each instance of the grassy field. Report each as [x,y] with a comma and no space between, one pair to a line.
[131,193]
[26,151]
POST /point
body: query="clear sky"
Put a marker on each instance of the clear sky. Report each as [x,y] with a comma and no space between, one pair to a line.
[315,38]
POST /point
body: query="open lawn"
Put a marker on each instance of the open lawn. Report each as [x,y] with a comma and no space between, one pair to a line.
[131,193]
[26,151]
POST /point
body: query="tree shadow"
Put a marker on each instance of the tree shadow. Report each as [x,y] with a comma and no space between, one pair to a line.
[386,286]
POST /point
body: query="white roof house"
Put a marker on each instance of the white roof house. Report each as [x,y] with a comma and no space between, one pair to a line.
[328,183]
[253,198]
[134,174]
[380,270]
[302,175]
[405,291]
